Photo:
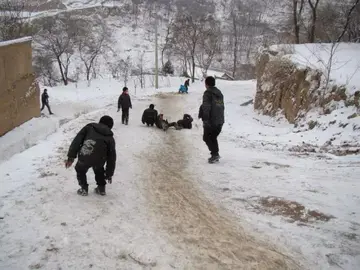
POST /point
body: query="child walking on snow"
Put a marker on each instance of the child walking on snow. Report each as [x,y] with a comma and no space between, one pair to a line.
[124,103]
[94,146]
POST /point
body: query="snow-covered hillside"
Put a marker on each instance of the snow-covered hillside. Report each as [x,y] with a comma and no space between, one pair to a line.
[165,208]
[339,61]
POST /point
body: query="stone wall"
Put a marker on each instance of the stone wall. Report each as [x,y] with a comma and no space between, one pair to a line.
[19,92]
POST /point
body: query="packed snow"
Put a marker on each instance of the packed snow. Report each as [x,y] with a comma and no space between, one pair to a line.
[340,60]
[167,208]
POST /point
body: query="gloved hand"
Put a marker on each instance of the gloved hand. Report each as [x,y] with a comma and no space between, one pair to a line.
[108,178]
[68,163]
[118,110]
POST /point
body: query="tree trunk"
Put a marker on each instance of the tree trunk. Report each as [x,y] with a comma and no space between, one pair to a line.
[61,71]
[235,52]
[193,68]
[296,23]
[313,20]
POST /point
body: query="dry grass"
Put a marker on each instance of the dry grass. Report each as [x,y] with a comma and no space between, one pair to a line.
[291,209]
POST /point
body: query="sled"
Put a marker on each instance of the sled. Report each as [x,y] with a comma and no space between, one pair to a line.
[183,89]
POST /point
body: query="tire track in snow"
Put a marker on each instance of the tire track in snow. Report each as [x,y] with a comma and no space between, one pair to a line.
[208,237]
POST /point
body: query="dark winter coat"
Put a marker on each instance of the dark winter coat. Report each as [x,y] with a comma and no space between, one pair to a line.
[200,112]
[45,98]
[94,145]
[186,122]
[187,83]
[124,101]
[213,107]
[149,116]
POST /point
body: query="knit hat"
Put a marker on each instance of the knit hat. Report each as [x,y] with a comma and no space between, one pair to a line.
[107,120]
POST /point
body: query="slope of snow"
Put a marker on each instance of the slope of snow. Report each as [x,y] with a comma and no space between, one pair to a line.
[340,60]
[68,103]
[45,224]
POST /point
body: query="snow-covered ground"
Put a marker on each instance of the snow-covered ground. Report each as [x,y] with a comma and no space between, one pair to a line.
[167,208]
[68,103]
[340,60]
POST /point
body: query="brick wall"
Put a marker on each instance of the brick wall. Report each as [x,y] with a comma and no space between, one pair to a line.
[19,92]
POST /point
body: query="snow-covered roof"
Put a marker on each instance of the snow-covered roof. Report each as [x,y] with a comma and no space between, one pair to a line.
[15,41]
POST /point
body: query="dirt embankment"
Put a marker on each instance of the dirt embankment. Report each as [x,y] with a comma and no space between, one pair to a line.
[284,87]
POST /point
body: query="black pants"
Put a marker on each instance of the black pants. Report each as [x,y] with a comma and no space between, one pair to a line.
[81,170]
[210,138]
[125,116]
[47,106]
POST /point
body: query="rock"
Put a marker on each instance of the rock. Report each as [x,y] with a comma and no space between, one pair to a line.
[63,223]
[352,116]
[312,124]
[283,86]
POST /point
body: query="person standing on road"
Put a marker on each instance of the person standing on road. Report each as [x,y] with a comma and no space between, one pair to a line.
[124,103]
[45,101]
[212,114]
[94,146]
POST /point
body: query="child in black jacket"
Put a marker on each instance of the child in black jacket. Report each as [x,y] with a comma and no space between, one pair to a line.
[94,146]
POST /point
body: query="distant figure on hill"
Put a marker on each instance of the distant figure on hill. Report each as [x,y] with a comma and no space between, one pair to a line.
[212,114]
[45,101]
[94,146]
[149,116]
[186,122]
[124,103]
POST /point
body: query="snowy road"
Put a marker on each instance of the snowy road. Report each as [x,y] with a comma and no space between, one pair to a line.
[167,208]
[210,238]
[154,215]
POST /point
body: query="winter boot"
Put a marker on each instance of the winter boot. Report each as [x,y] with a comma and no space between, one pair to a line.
[100,190]
[214,159]
[82,192]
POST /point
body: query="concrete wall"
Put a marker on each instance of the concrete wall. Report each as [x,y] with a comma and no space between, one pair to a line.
[19,92]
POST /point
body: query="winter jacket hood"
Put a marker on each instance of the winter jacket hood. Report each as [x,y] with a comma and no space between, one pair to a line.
[102,129]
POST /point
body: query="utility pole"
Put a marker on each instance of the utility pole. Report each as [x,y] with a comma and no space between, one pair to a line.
[156,55]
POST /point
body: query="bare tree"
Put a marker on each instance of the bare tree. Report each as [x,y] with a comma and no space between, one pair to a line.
[44,68]
[209,44]
[314,7]
[59,36]
[91,46]
[126,69]
[244,26]
[13,21]
[187,32]
[140,71]
[348,19]
[298,7]
[167,46]
[353,32]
